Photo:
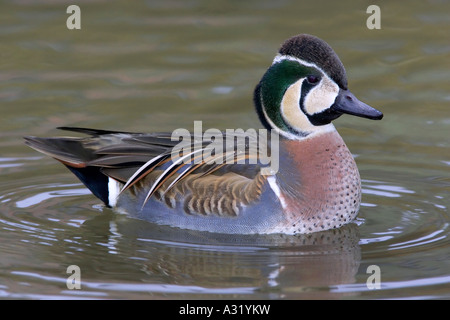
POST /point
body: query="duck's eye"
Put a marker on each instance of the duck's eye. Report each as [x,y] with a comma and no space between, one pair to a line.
[312,79]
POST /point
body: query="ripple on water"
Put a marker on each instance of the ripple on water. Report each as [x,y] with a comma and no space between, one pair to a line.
[403,228]
[56,192]
[36,213]
[396,227]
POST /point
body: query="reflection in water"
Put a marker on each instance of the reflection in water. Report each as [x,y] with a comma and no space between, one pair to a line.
[120,256]
[266,264]
[383,189]
[43,196]
[132,257]
[131,70]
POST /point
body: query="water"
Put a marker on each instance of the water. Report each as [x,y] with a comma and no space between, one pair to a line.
[160,65]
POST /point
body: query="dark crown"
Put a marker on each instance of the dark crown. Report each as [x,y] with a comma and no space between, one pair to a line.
[314,50]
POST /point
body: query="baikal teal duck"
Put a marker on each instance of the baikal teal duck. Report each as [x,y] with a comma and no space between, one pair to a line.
[316,185]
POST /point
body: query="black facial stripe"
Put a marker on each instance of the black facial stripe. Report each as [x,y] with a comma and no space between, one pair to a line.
[262,118]
[306,87]
[324,117]
[317,119]
[259,107]
[293,130]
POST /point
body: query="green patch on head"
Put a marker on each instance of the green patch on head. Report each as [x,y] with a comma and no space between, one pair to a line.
[278,78]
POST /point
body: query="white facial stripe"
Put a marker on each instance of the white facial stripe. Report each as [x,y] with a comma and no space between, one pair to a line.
[294,116]
[277,129]
[279,58]
[321,97]
[290,109]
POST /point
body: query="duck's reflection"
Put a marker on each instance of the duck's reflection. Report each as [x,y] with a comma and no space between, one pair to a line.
[269,265]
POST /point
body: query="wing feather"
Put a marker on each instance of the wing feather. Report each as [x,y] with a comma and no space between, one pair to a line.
[208,185]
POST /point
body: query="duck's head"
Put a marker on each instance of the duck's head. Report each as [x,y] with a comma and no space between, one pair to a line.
[305,89]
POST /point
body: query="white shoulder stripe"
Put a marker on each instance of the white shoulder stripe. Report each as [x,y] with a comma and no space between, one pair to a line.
[276,189]
[113,191]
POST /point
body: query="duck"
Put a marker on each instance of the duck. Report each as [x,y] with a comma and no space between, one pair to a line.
[316,185]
